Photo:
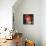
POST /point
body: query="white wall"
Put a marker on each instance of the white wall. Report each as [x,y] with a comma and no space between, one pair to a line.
[30,31]
[6,13]
[43,22]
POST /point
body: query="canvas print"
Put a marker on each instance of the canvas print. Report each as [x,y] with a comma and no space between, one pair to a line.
[28,18]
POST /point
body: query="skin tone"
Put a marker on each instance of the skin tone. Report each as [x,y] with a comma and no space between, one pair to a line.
[18,40]
[28,19]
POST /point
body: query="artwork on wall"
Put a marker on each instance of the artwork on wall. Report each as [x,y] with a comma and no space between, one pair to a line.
[28,18]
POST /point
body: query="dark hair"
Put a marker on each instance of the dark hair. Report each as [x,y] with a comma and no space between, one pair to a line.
[34,44]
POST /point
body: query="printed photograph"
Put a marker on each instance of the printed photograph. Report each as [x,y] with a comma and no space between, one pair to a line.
[28,18]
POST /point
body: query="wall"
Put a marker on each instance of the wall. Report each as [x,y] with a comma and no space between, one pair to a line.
[32,32]
[43,22]
[6,13]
